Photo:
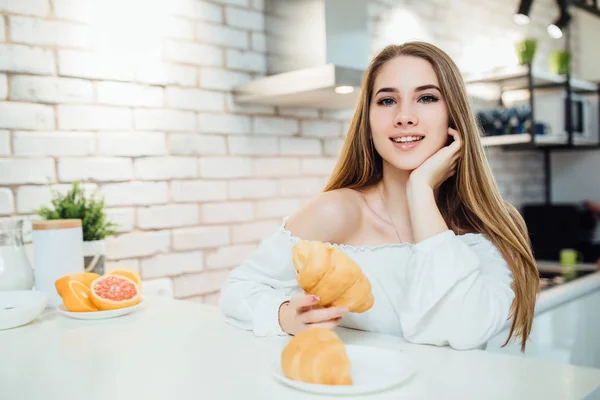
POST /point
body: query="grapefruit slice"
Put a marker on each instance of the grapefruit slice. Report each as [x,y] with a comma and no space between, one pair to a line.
[76,297]
[127,274]
[110,292]
[62,284]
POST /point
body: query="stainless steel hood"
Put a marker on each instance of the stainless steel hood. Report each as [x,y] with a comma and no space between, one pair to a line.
[317,51]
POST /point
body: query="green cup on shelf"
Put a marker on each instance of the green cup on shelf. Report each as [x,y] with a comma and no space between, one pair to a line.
[560,62]
[526,50]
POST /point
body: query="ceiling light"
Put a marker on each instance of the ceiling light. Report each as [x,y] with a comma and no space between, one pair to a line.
[555,30]
[522,15]
[344,89]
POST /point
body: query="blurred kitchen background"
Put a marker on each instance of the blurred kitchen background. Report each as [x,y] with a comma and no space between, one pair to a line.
[159,105]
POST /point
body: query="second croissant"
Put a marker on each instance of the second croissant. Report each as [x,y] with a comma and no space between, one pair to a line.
[329,273]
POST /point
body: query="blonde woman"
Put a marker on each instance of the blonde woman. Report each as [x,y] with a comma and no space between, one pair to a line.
[412,201]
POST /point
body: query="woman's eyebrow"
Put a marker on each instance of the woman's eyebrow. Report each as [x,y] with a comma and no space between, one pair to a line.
[417,89]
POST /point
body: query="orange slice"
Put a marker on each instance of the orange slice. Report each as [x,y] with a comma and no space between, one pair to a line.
[110,292]
[127,274]
[62,284]
[76,297]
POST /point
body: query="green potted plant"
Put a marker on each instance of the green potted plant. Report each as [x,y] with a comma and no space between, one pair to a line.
[526,50]
[559,62]
[96,228]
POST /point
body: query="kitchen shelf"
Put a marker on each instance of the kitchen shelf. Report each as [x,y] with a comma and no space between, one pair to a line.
[538,141]
[525,77]
[517,78]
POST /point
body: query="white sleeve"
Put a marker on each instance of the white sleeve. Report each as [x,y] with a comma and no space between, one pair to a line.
[253,291]
[458,291]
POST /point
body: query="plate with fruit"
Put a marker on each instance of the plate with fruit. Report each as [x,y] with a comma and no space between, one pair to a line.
[89,295]
[317,361]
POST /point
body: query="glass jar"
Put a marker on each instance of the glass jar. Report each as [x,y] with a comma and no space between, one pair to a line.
[15,270]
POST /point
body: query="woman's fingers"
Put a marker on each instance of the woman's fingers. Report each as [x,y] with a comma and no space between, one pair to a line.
[329,325]
[322,314]
[303,301]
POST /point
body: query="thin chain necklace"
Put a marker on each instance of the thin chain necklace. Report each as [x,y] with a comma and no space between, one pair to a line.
[388,214]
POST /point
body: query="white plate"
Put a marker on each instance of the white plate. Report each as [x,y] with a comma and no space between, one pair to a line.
[373,370]
[98,314]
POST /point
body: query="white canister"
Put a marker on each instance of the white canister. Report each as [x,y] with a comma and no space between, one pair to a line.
[58,251]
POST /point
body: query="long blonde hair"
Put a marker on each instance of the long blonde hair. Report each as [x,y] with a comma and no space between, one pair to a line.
[469,201]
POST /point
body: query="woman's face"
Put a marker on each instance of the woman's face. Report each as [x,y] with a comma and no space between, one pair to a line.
[408,116]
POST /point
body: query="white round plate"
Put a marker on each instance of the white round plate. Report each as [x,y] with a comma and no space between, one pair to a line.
[373,370]
[20,307]
[98,314]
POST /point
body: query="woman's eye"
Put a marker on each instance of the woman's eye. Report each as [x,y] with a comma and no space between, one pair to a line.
[386,102]
[428,99]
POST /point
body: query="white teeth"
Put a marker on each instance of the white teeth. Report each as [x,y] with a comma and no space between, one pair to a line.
[407,139]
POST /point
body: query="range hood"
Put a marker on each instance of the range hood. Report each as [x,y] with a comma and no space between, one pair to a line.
[317,52]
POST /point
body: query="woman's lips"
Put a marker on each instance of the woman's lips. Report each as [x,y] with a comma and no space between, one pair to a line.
[407,145]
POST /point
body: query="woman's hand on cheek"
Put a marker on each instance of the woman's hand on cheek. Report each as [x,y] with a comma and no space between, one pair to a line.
[440,166]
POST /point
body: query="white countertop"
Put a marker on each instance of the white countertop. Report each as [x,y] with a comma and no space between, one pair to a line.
[183,350]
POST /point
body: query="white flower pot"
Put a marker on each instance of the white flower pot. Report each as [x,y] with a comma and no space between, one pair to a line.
[94,253]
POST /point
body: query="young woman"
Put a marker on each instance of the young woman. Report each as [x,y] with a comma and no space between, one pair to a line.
[413,202]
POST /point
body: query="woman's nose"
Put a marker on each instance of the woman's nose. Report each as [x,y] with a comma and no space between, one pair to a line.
[405,119]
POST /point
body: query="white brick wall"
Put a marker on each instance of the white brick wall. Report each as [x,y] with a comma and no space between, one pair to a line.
[165,120]
[195,54]
[131,143]
[102,169]
[165,168]
[195,99]
[275,126]
[34,7]
[193,143]
[53,143]
[31,60]
[228,256]
[222,35]
[259,146]
[172,264]
[19,171]
[7,203]
[227,124]
[253,189]
[200,237]
[219,213]
[221,79]
[82,64]
[127,94]
[3,84]
[274,167]
[135,193]
[167,216]
[198,191]
[43,89]
[37,31]
[72,117]
[4,143]
[225,167]
[195,180]
[300,146]
[26,116]
[138,244]
[247,19]
[246,61]
[74,10]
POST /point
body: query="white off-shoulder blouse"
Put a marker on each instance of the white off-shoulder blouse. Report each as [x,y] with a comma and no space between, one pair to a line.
[446,290]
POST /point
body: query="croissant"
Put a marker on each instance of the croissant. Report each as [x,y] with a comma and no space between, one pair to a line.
[316,355]
[330,274]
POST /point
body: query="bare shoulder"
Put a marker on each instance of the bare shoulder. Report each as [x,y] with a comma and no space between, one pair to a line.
[329,217]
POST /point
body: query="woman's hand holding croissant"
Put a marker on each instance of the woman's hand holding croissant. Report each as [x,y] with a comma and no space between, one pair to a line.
[303,311]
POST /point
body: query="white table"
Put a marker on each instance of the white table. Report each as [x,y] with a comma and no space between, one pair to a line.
[173,350]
